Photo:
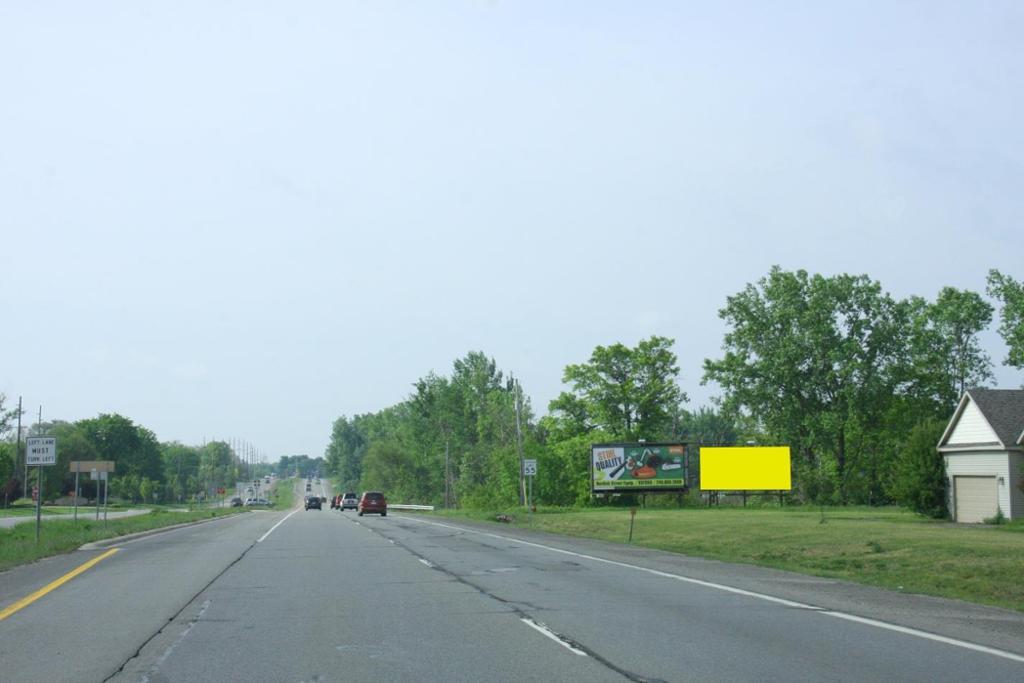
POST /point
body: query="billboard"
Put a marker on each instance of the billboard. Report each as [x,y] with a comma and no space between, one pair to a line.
[745,468]
[636,467]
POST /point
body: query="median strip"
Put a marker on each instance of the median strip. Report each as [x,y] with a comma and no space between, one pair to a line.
[53,585]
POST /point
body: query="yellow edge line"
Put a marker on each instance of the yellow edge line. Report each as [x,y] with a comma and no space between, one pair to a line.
[28,600]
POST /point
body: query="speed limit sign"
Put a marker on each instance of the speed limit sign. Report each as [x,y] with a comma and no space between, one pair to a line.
[530,468]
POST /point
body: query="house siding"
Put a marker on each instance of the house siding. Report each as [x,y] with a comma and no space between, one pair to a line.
[972,428]
[1015,482]
[982,463]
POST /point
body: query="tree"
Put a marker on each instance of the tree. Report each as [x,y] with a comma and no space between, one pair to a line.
[708,426]
[631,393]
[7,416]
[946,356]
[135,449]
[919,477]
[1011,327]
[815,359]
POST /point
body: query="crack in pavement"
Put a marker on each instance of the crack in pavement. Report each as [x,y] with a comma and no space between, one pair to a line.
[515,607]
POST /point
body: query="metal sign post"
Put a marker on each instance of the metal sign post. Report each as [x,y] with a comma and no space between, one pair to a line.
[40,451]
[106,492]
[96,478]
[530,471]
[76,494]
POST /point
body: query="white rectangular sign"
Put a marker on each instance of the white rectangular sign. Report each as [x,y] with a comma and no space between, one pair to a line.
[42,450]
[530,468]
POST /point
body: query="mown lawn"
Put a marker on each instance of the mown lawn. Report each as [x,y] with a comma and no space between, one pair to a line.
[885,547]
[18,544]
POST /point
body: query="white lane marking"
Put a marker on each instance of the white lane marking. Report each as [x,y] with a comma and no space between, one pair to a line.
[760,596]
[155,669]
[426,562]
[545,631]
[282,521]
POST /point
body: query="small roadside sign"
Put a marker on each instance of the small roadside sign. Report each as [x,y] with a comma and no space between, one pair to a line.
[92,465]
[530,468]
[42,450]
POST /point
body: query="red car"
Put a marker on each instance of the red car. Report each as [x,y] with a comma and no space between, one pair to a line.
[373,502]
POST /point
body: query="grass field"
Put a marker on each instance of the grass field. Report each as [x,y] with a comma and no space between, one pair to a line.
[885,547]
[18,544]
[285,497]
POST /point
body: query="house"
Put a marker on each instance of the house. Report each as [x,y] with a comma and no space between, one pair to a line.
[983,449]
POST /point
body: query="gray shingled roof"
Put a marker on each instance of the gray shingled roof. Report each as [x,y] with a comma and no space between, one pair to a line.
[1004,410]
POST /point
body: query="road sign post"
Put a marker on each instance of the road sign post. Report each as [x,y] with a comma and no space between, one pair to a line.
[40,451]
[529,471]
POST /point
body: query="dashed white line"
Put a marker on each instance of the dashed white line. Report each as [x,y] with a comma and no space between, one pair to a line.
[548,633]
[426,562]
[260,539]
[155,669]
[752,594]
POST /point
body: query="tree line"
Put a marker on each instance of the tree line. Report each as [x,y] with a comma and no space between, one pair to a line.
[147,470]
[856,382]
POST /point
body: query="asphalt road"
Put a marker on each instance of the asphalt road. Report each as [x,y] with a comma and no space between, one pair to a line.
[328,596]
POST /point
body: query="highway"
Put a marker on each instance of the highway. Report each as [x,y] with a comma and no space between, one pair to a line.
[329,596]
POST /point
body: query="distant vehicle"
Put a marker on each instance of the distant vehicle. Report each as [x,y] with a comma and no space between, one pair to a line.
[236,502]
[349,501]
[373,502]
[309,487]
[313,502]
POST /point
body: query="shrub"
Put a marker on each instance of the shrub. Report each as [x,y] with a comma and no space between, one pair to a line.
[919,478]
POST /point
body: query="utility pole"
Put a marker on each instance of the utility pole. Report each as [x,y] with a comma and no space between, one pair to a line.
[519,440]
[17,453]
[446,477]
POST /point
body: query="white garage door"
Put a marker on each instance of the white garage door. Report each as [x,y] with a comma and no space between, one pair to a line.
[975,498]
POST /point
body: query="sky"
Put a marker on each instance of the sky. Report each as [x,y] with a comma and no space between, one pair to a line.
[245,219]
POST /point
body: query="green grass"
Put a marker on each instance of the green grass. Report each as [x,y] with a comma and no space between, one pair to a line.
[885,547]
[18,544]
[285,495]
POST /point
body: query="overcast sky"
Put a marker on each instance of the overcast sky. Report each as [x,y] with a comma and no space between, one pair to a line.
[244,219]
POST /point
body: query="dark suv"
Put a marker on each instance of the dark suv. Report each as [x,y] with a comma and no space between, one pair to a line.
[313,502]
[373,502]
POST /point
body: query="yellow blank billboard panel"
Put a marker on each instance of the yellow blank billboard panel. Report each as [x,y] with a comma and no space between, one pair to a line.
[758,468]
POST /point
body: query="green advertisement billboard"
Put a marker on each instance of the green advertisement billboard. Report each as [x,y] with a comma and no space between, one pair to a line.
[635,467]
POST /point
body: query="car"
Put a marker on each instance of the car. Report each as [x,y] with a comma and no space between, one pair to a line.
[313,502]
[236,502]
[373,502]
[349,501]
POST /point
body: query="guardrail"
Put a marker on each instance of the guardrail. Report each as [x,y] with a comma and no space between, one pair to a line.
[399,506]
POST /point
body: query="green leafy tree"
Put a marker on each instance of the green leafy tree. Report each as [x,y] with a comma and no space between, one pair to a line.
[1010,293]
[708,426]
[180,469]
[945,355]
[630,393]
[919,477]
[135,449]
[816,360]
